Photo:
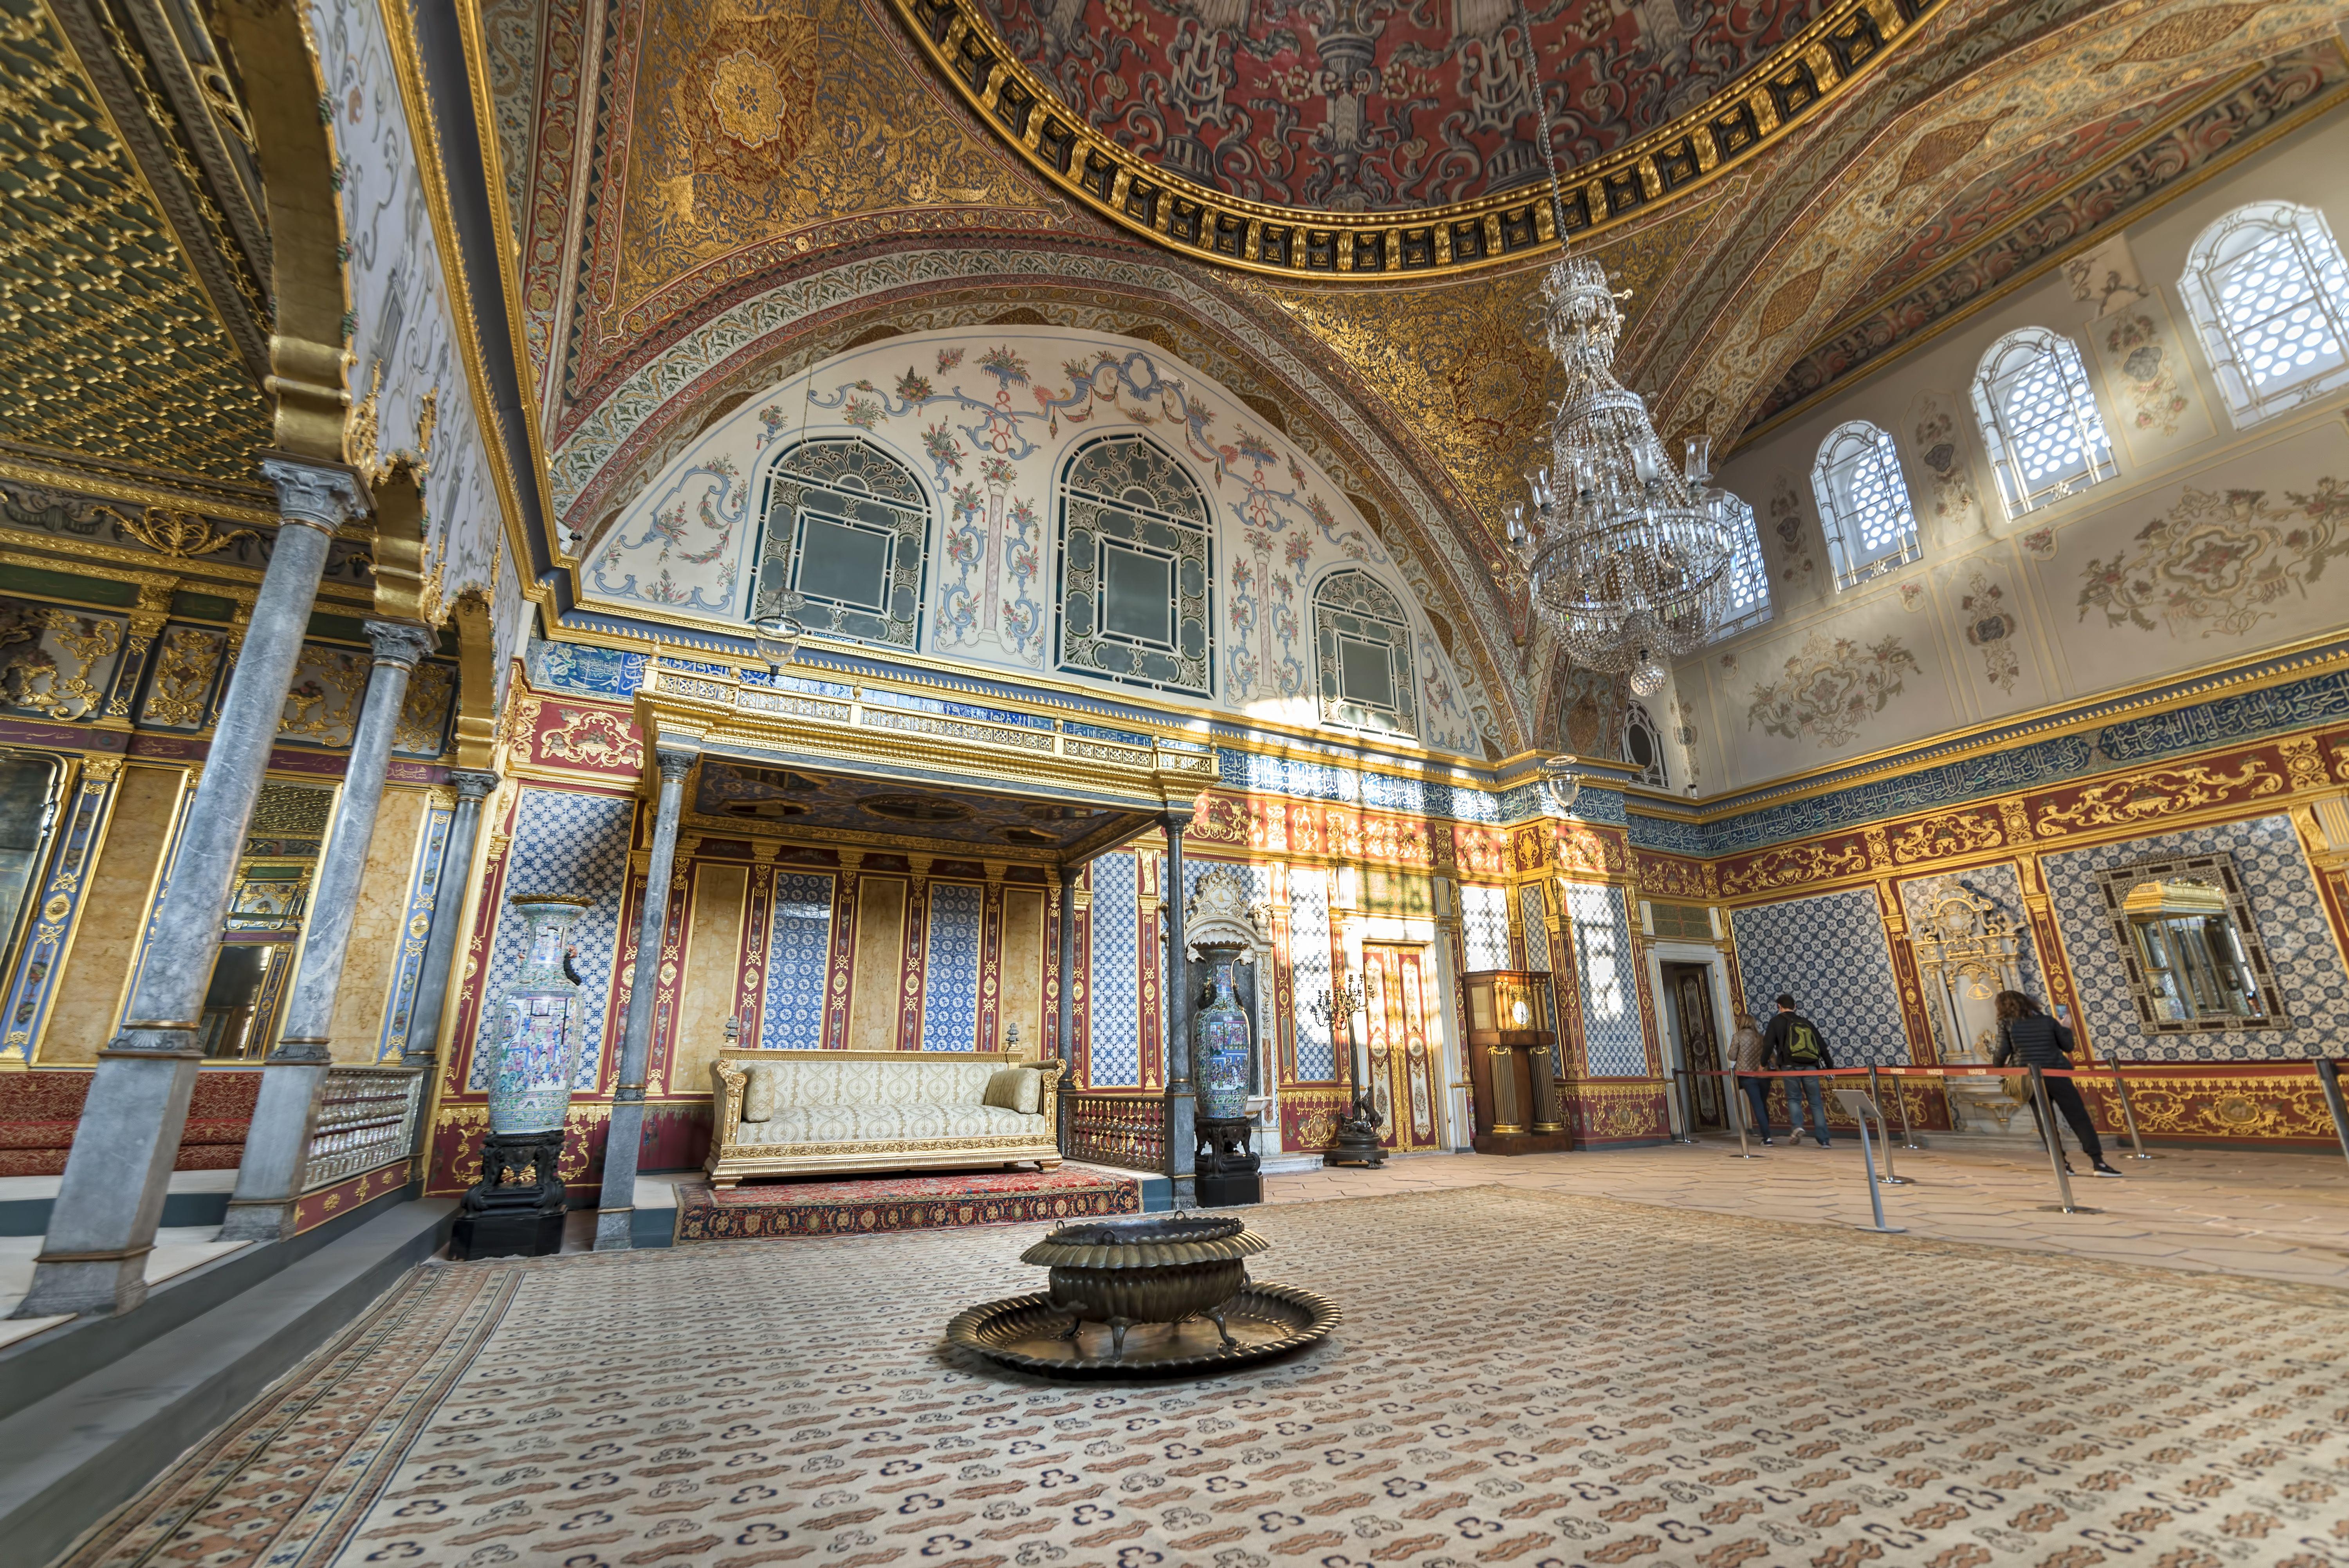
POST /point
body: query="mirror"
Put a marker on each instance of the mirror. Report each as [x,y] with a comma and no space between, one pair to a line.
[261,934]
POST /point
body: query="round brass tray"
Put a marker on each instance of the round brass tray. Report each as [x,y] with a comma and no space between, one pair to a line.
[1024,1332]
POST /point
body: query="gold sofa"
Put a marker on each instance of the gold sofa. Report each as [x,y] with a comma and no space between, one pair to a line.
[844,1111]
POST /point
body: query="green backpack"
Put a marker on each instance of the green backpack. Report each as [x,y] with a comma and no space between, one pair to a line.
[1803,1046]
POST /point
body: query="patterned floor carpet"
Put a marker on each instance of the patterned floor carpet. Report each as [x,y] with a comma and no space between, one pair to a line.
[1521,1378]
[900,1203]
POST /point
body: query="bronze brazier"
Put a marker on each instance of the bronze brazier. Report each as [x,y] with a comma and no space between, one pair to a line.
[1164,1268]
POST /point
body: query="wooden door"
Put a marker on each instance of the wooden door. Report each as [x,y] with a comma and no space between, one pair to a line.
[1405,1064]
[1700,1038]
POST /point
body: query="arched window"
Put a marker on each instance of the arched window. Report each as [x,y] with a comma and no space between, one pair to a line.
[1364,645]
[1643,745]
[2268,292]
[2039,416]
[1746,601]
[847,530]
[1134,568]
[1864,503]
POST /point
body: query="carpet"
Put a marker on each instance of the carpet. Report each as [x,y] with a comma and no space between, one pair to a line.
[900,1203]
[1522,1378]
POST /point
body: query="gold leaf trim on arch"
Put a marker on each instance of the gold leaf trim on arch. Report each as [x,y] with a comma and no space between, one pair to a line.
[1791,86]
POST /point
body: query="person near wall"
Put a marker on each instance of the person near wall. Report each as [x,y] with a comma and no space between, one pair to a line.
[1749,1058]
[2024,1029]
[1795,1045]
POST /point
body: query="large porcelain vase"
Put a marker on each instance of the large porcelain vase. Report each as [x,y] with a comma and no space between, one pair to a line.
[1219,1045]
[542,1024]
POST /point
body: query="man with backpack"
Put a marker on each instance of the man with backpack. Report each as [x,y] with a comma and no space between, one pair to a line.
[1795,1045]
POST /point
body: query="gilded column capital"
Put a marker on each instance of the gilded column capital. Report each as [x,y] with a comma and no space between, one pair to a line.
[321,495]
[675,760]
[399,642]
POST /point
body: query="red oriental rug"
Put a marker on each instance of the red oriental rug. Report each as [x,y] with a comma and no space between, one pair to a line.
[900,1203]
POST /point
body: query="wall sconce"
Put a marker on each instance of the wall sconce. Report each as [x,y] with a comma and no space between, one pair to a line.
[1561,785]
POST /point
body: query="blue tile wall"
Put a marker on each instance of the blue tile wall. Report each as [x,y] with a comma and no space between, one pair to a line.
[798,952]
[2286,907]
[950,977]
[1830,951]
[562,843]
[1614,1046]
[1308,970]
[1114,983]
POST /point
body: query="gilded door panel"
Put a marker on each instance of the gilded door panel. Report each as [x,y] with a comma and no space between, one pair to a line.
[1700,1040]
[1400,984]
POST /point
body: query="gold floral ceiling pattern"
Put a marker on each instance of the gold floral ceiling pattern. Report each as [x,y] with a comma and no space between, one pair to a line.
[109,346]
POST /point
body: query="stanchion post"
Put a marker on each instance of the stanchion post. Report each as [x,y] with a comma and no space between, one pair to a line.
[1736,1092]
[2328,1076]
[2055,1145]
[2128,1111]
[1876,1098]
[1867,1156]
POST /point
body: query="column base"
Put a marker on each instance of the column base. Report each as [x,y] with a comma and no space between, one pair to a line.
[1522,1143]
[257,1219]
[85,1287]
[616,1230]
[517,1206]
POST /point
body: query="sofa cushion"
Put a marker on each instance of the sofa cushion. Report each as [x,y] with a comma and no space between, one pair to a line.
[875,1124]
[1014,1089]
[762,1091]
[909,1081]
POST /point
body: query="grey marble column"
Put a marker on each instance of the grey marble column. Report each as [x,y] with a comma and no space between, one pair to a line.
[277,1145]
[448,898]
[615,1211]
[102,1226]
[1182,1101]
[1064,1011]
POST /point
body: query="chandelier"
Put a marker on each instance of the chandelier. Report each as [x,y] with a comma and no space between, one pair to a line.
[1628,561]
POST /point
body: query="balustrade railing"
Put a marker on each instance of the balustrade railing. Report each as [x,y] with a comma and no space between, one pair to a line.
[1125,1129]
[367,1120]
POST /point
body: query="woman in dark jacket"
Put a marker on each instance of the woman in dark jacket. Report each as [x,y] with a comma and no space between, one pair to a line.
[2026,1032]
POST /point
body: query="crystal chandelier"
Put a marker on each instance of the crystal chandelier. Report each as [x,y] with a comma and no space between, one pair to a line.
[1626,560]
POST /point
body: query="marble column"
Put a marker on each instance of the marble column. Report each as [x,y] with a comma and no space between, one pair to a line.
[448,898]
[277,1145]
[1182,1101]
[615,1211]
[1064,1008]
[103,1224]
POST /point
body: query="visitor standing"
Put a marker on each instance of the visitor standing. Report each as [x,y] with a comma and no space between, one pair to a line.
[2025,1031]
[1749,1058]
[1795,1045]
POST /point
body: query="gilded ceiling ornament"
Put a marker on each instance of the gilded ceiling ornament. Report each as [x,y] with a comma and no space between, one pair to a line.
[169,532]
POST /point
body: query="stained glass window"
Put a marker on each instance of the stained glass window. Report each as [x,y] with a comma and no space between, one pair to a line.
[1863,500]
[2039,418]
[1747,603]
[2270,296]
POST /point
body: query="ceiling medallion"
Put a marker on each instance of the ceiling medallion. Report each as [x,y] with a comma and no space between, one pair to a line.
[1493,228]
[1627,561]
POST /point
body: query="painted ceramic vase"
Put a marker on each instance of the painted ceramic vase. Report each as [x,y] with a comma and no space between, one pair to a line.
[1219,1046]
[542,1024]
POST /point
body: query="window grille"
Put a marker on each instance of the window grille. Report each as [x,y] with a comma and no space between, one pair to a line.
[1872,528]
[847,531]
[1643,745]
[1135,568]
[1747,603]
[2039,417]
[2270,296]
[1363,643]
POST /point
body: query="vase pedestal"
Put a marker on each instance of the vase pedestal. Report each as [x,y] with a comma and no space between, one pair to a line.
[517,1206]
[1229,1171]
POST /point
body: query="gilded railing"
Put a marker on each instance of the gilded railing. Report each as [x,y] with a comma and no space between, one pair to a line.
[367,1120]
[1126,1129]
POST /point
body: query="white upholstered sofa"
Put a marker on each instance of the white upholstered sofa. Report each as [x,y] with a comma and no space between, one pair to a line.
[798,1113]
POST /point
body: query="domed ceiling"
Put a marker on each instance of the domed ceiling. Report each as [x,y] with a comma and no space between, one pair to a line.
[1354,106]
